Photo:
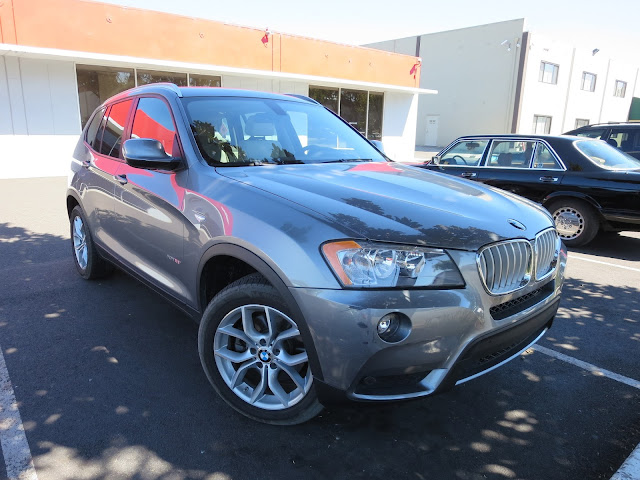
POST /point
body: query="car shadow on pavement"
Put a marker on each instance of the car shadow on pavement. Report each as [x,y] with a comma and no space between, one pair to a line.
[622,246]
[109,385]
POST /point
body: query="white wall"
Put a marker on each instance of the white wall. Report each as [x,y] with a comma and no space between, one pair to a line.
[399,125]
[539,98]
[566,101]
[265,84]
[616,109]
[39,117]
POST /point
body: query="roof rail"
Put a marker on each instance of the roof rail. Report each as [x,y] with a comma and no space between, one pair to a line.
[172,86]
[303,97]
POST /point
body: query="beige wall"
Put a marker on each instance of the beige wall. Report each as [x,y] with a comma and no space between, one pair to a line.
[474,74]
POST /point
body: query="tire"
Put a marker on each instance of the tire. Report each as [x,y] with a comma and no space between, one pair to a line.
[576,221]
[254,356]
[89,263]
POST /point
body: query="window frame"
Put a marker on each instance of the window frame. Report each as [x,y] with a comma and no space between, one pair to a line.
[593,84]
[582,120]
[132,117]
[125,127]
[535,122]
[624,89]
[554,74]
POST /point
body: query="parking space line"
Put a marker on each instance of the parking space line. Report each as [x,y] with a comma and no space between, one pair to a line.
[630,469]
[15,448]
[587,366]
[609,264]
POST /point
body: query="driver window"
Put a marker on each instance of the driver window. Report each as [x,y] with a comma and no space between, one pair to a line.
[467,153]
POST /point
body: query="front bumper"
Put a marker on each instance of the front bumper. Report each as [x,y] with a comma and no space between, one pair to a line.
[456,334]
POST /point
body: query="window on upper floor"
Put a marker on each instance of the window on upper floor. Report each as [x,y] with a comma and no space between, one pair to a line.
[541,124]
[548,73]
[581,122]
[588,82]
[620,89]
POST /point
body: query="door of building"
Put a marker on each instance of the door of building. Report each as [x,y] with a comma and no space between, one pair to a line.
[431,134]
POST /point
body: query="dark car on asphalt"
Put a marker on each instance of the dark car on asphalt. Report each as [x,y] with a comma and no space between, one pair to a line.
[586,184]
[625,135]
[317,268]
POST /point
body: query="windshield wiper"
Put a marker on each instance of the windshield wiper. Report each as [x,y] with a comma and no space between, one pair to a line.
[348,160]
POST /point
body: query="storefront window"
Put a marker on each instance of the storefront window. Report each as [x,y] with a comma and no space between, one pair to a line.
[328,97]
[96,84]
[376,102]
[196,80]
[148,76]
[353,108]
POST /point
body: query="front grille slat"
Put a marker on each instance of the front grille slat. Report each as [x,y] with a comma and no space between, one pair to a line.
[547,247]
[505,266]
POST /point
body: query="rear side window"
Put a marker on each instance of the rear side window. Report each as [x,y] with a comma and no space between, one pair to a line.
[153,120]
[114,129]
[544,159]
[511,154]
[92,138]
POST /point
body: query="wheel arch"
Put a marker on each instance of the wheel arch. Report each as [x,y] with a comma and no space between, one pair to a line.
[246,262]
[72,201]
[553,197]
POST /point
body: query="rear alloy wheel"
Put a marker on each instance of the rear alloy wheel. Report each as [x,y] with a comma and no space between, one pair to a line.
[89,264]
[576,222]
[254,356]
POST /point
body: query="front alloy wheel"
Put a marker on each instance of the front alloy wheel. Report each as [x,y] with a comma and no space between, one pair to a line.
[254,355]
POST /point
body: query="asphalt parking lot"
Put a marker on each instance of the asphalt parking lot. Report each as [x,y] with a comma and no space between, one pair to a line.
[108,382]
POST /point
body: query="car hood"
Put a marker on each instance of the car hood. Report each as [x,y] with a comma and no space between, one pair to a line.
[390,202]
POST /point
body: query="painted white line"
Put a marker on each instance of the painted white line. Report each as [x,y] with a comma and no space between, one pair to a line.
[587,366]
[609,264]
[17,456]
[630,469]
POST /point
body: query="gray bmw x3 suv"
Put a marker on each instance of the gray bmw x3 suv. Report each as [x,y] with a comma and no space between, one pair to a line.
[317,268]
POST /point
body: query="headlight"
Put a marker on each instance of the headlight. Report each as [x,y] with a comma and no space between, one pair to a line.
[376,265]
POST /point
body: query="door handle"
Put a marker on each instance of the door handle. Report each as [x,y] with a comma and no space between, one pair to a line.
[468,174]
[548,179]
[122,179]
[86,163]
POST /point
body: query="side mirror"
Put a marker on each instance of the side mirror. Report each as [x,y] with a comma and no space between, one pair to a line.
[378,144]
[435,159]
[148,153]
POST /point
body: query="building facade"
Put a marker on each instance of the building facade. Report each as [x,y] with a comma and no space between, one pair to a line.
[499,78]
[60,60]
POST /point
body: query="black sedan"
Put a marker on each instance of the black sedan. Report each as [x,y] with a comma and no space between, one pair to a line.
[586,184]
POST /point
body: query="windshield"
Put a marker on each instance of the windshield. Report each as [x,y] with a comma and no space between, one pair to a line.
[606,156]
[233,131]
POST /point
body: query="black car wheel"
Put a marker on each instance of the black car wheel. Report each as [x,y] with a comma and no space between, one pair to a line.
[576,221]
[253,354]
[89,263]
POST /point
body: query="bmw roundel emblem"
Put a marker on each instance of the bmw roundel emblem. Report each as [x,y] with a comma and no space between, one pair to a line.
[516,224]
[264,356]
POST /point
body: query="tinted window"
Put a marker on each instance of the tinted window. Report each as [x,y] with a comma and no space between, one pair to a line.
[467,153]
[92,132]
[544,159]
[592,133]
[114,129]
[627,140]
[153,120]
[511,154]
[604,155]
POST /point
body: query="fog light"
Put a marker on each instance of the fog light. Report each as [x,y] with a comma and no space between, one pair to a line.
[394,327]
